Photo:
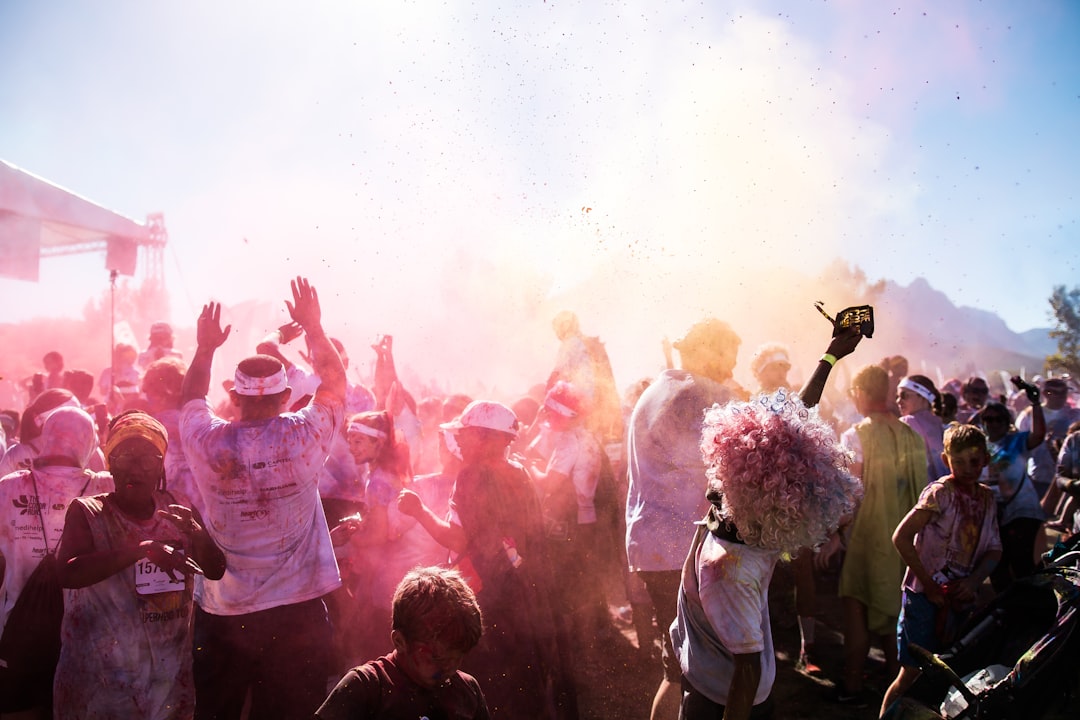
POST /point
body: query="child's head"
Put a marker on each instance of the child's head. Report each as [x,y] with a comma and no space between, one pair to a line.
[436,621]
[871,383]
[965,451]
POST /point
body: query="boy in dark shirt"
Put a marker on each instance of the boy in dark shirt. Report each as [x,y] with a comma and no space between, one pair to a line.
[436,622]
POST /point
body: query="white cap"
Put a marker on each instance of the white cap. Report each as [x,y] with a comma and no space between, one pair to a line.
[485,414]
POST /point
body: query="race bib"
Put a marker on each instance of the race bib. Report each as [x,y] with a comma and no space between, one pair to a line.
[151,579]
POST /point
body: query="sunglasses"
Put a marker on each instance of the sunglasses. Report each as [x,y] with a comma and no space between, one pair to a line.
[994,419]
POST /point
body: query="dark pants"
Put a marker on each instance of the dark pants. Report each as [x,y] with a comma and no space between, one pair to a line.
[663,589]
[281,655]
[696,706]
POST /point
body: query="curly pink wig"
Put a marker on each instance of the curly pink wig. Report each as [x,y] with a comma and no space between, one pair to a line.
[780,470]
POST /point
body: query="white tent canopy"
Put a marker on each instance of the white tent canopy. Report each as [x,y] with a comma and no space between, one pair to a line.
[39,218]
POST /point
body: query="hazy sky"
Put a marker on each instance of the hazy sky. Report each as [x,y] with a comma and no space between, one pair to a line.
[429,162]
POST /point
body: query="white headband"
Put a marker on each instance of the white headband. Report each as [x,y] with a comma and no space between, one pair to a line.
[257,386]
[924,393]
[559,408]
[776,357]
[359,427]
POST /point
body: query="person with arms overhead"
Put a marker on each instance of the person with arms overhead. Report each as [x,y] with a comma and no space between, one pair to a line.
[258,478]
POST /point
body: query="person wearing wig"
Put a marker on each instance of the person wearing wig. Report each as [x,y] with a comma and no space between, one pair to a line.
[778,481]
[127,558]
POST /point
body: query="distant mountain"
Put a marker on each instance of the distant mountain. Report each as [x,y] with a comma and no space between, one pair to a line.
[937,336]
[1039,341]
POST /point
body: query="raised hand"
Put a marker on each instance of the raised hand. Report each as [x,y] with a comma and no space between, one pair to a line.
[846,340]
[208,329]
[1032,392]
[384,346]
[304,308]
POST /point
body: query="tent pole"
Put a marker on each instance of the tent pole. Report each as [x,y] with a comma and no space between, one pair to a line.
[113,274]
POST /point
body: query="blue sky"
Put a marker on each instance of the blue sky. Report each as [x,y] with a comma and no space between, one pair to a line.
[413,154]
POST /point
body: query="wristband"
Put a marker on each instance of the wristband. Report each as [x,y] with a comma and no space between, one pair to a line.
[831,359]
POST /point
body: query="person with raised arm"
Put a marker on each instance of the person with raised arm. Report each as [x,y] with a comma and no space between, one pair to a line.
[777,481]
[258,478]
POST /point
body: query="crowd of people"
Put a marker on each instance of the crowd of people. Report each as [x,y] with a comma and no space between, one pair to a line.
[316,547]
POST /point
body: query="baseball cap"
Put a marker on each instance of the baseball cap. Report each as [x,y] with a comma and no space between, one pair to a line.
[485,414]
[563,399]
[1056,384]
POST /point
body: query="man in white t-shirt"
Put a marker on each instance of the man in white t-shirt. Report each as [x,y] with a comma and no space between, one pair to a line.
[667,482]
[263,626]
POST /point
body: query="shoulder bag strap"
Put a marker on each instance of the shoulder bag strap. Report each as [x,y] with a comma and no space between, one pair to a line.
[41,517]
[89,477]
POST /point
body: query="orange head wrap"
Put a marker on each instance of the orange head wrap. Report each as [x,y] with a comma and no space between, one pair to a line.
[136,424]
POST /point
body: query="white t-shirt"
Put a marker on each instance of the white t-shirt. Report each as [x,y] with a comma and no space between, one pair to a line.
[259,486]
[849,440]
[1042,463]
[21,541]
[724,611]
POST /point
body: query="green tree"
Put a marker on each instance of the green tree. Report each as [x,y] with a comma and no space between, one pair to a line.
[1066,307]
